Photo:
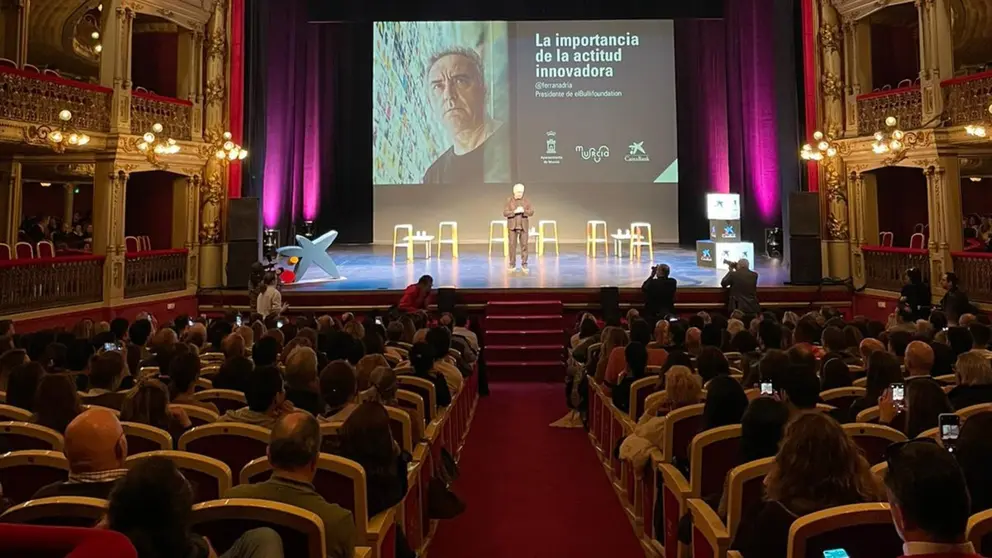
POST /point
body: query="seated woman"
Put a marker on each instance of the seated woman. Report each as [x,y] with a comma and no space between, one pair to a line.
[974,374]
[817,467]
[883,370]
[23,385]
[422,360]
[339,389]
[925,401]
[383,391]
[148,403]
[834,373]
[637,361]
[56,402]
[974,453]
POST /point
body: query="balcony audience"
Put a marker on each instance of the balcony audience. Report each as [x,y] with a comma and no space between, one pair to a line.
[152,506]
[184,371]
[265,396]
[294,447]
[974,380]
[973,451]
[339,390]
[422,361]
[928,498]
[817,467]
[148,403]
[96,448]
[302,381]
[56,403]
[23,384]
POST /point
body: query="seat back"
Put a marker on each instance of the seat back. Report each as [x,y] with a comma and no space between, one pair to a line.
[886,238]
[409,400]
[142,438]
[973,410]
[197,415]
[208,477]
[917,241]
[860,529]
[869,415]
[746,488]
[873,439]
[59,511]
[46,249]
[639,392]
[70,542]
[980,532]
[843,397]
[24,251]
[225,399]
[145,242]
[681,426]
[6,254]
[713,454]
[131,244]
[12,413]
[710,538]
[233,443]
[16,436]
[22,473]
[423,388]
[401,427]
[224,521]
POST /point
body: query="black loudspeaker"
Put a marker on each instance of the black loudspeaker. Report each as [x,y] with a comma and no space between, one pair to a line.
[609,299]
[240,255]
[447,298]
[805,261]
[242,219]
[804,214]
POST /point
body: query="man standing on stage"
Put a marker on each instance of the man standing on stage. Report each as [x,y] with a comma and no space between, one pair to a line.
[518,212]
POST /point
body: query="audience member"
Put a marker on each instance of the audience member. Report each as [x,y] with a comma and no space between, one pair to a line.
[96,448]
[883,370]
[56,402]
[233,346]
[23,384]
[265,396]
[294,450]
[184,371]
[981,335]
[973,451]
[711,363]
[8,361]
[834,374]
[233,374]
[383,388]
[612,338]
[762,426]
[919,359]
[106,371]
[959,339]
[974,375]
[924,402]
[640,332]
[928,498]
[366,438]
[955,302]
[440,341]
[868,346]
[802,388]
[461,330]
[339,390]
[364,368]
[152,506]
[636,357]
[817,467]
[422,360]
[148,403]
[266,351]
[769,335]
[725,402]
[693,341]
[195,335]
[415,296]
[303,382]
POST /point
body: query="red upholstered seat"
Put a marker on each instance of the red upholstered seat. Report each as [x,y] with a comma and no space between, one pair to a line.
[639,392]
[860,529]
[31,541]
[24,251]
[45,249]
[225,399]
[17,436]
[232,443]
[681,426]
[208,477]
[714,453]
[22,473]
[424,392]
[873,439]
[224,521]
[6,254]
[131,244]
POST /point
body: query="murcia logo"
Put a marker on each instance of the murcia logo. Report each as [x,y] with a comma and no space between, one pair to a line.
[637,153]
[551,156]
[597,154]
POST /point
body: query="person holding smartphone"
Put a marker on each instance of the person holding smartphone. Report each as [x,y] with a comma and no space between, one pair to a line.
[913,407]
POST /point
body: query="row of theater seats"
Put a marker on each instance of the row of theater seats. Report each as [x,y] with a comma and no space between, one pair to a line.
[713,457]
[215,456]
[27,251]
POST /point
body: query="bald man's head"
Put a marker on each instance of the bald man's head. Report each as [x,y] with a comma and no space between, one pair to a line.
[919,359]
[868,346]
[94,441]
[693,337]
[295,443]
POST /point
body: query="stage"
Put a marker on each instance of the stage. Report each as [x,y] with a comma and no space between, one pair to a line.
[371,268]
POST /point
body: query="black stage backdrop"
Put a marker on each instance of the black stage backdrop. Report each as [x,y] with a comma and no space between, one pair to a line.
[737,88]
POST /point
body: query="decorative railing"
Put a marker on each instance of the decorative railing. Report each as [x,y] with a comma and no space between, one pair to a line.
[29,96]
[966,98]
[154,271]
[905,103]
[29,285]
[974,271]
[885,266]
[173,114]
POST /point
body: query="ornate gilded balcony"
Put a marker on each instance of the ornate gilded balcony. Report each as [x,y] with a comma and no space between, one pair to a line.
[905,103]
[29,285]
[974,271]
[154,271]
[966,99]
[885,266]
[30,96]
[149,108]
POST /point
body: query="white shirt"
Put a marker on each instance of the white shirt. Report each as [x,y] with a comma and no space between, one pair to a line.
[470,336]
[269,302]
[923,548]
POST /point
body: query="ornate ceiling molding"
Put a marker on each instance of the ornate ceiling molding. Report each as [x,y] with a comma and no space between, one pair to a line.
[190,14]
[857,9]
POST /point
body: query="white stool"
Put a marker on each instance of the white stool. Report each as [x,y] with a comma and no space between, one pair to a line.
[501,223]
[542,238]
[452,227]
[637,239]
[592,238]
[406,241]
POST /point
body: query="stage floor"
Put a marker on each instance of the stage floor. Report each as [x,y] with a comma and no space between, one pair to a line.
[369,268]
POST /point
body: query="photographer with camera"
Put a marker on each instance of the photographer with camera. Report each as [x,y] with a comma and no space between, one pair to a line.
[659,293]
[742,287]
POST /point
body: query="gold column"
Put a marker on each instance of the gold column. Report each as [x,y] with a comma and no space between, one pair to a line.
[189,77]
[213,189]
[69,198]
[185,223]
[937,55]
[109,190]
[115,63]
[11,202]
[945,215]
[869,201]
[14,18]
[855,194]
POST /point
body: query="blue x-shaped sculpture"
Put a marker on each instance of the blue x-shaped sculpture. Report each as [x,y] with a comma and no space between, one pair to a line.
[312,252]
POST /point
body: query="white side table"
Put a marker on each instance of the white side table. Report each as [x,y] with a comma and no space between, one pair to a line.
[427,239]
[620,239]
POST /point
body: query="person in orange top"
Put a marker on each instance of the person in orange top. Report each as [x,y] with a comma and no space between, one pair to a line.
[415,295]
[640,332]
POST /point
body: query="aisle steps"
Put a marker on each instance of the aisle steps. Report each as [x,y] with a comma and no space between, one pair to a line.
[525,341]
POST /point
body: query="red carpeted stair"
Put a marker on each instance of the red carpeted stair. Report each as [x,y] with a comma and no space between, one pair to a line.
[532,491]
[525,341]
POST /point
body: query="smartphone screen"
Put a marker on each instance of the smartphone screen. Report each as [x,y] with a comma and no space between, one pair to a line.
[111,347]
[237,320]
[767,388]
[836,553]
[950,427]
[898,392]
[279,324]
[378,320]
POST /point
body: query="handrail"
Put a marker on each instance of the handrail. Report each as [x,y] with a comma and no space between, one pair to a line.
[151,253]
[896,250]
[985,255]
[46,261]
[967,78]
[156,97]
[874,94]
[56,79]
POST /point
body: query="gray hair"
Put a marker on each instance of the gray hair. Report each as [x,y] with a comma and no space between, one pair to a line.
[469,53]
[295,441]
[665,270]
[972,368]
[743,263]
[301,367]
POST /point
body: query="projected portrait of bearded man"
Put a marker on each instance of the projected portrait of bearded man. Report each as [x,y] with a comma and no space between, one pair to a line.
[458,94]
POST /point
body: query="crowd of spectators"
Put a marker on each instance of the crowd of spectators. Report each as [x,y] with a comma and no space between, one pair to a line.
[77,235]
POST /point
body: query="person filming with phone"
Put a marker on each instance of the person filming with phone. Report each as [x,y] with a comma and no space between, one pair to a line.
[659,293]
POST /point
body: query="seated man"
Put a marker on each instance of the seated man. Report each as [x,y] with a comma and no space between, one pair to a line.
[96,449]
[415,295]
[106,372]
[929,500]
[233,346]
[293,450]
[302,384]
[266,399]
[440,340]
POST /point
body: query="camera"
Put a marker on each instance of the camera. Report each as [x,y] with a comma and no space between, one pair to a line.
[730,264]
